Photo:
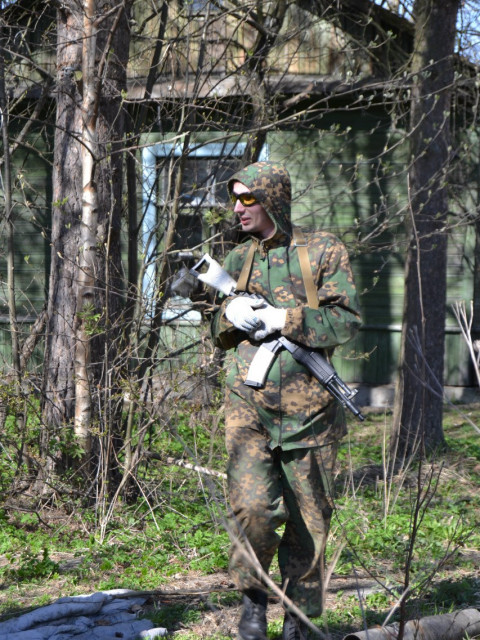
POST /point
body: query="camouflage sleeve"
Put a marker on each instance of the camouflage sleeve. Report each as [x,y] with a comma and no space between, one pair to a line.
[334,322]
[224,334]
[338,317]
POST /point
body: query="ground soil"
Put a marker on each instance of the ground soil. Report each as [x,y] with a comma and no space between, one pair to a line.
[192,591]
[223,620]
[219,603]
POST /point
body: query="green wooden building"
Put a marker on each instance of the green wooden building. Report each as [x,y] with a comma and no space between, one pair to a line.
[344,144]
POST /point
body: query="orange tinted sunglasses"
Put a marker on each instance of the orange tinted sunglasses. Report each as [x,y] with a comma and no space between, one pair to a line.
[247,199]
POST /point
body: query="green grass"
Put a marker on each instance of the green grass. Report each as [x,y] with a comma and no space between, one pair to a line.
[175,529]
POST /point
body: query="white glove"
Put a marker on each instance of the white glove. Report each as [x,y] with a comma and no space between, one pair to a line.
[272,319]
[240,312]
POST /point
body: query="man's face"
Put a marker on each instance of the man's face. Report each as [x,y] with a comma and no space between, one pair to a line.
[254,219]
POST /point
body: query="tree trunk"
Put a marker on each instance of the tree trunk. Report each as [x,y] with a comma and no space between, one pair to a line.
[15,372]
[419,394]
[59,387]
[262,111]
[84,288]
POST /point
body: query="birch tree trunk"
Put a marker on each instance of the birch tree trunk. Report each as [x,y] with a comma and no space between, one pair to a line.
[85,313]
[84,292]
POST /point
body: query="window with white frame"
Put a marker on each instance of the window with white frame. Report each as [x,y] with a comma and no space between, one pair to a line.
[206,170]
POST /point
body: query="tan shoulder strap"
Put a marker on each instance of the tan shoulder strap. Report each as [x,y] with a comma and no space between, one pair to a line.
[244,276]
[301,246]
[310,289]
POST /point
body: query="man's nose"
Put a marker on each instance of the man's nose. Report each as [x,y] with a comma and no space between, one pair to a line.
[239,208]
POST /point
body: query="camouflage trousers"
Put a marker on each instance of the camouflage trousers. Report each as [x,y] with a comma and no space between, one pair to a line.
[269,488]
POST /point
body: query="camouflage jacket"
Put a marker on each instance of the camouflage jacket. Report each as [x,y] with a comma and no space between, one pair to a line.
[295,409]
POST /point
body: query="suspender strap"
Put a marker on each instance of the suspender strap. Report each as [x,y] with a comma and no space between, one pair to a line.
[310,289]
[244,276]
[301,245]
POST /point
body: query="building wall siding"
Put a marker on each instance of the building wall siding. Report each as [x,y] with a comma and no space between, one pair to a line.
[341,185]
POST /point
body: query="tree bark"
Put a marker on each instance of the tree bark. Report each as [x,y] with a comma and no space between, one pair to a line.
[418,407]
[85,295]
[15,372]
[59,387]
[262,112]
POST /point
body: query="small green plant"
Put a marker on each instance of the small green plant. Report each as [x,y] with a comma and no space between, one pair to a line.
[91,318]
[455,593]
[174,615]
[274,629]
[378,600]
[31,567]
[215,215]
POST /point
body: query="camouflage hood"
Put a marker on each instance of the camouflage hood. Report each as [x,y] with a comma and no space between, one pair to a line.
[270,184]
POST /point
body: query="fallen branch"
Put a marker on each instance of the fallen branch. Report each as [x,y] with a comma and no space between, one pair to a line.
[186,465]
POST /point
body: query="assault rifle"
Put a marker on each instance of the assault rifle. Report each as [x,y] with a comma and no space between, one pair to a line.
[317,365]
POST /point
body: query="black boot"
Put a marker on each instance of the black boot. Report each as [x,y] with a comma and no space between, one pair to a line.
[294,629]
[253,623]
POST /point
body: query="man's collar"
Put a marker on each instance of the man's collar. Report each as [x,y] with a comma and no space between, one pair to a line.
[279,239]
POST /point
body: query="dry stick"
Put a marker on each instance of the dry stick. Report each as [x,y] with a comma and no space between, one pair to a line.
[131,593]
[186,465]
[249,555]
[396,606]
[465,323]
[440,392]
[333,564]
[36,332]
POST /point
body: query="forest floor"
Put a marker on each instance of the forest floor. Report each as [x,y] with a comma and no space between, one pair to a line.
[197,606]
[51,553]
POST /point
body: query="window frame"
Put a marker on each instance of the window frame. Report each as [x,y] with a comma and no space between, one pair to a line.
[150,155]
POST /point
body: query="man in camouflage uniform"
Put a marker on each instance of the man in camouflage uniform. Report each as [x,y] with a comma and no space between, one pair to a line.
[281,439]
